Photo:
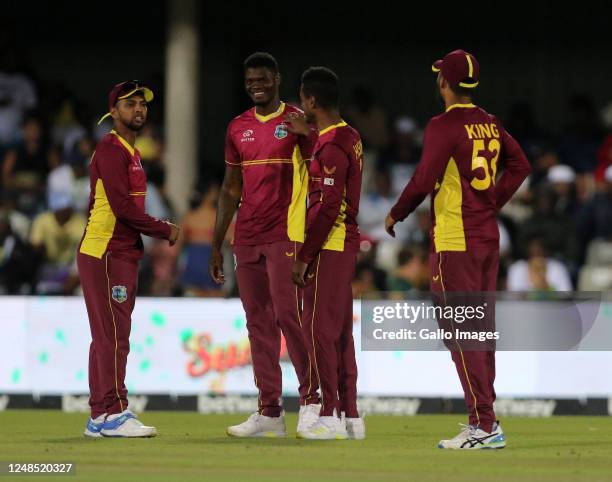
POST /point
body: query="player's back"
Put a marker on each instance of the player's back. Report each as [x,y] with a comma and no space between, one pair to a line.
[464,201]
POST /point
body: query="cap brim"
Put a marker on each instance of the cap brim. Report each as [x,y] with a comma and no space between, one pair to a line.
[148,93]
[437,66]
[104,117]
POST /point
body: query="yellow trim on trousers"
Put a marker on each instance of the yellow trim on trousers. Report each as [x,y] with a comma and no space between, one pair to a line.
[467,377]
[110,306]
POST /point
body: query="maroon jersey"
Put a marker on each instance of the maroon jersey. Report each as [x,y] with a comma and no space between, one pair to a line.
[274,176]
[333,192]
[118,187]
[462,151]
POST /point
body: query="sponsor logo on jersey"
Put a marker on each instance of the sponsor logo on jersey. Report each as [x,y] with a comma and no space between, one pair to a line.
[328,181]
[247,136]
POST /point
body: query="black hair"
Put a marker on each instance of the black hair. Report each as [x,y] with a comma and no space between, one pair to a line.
[461,91]
[261,59]
[322,84]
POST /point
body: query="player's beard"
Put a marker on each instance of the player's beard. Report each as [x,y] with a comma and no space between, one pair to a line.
[136,127]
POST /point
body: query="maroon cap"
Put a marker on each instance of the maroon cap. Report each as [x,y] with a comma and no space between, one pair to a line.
[459,68]
[123,90]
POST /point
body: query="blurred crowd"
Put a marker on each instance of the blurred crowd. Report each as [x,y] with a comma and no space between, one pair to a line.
[555,234]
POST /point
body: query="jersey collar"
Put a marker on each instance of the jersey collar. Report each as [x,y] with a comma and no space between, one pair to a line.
[124,143]
[266,118]
[454,106]
[331,128]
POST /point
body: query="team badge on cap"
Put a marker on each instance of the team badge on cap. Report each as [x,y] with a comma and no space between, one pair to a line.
[119,293]
[281,131]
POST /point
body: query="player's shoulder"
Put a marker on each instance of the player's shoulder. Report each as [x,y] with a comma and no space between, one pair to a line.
[340,134]
[485,115]
[290,108]
[460,115]
[108,139]
[344,137]
[246,117]
[439,122]
[348,131]
[109,145]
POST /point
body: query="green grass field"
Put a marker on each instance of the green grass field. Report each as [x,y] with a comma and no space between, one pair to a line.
[194,447]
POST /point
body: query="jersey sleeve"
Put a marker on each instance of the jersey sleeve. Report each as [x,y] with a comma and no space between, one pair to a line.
[438,148]
[112,165]
[516,169]
[232,156]
[307,143]
[334,166]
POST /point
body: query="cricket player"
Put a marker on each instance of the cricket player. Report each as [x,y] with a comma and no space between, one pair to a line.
[326,262]
[266,180]
[108,258]
[463,149]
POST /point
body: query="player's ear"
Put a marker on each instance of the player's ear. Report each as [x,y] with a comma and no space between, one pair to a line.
[277,78]
[114,113]
[307,102]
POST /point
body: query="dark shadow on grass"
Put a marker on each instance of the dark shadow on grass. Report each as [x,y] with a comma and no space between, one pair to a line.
[85,440]
[266,442]
[63,440]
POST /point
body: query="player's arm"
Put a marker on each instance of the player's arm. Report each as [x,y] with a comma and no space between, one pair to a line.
[229,199]
[437,150]
[113,168]
[516,169]
[307,136]
[334,163]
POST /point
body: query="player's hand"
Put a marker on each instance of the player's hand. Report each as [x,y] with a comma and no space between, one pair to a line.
[215,267]
[174,234]
[389,225]
[296,124]
[298,273]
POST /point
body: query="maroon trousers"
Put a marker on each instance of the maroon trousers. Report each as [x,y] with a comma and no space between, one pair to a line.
[109,286]
[328,327]
[471,271]
[272,304]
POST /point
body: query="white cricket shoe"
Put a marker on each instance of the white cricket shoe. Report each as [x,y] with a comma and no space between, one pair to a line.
[308,415]
[125,424]
[326,428]
[258,425]
[94,425]
[355,428]
[473,438]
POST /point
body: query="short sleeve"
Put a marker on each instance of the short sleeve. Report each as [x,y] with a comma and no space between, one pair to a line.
[232,156]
